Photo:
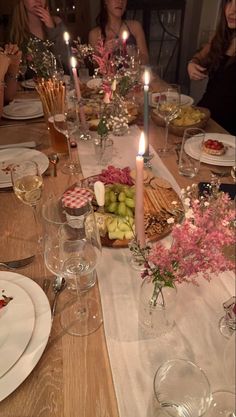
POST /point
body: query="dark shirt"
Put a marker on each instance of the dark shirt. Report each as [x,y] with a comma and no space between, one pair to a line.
[220,95]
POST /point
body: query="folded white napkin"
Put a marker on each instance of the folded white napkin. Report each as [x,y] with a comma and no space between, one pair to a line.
[31,144]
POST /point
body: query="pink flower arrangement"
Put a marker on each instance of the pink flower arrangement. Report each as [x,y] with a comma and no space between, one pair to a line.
[197,250]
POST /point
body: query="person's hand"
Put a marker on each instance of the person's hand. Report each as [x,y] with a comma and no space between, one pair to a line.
[196,71]
[44,16]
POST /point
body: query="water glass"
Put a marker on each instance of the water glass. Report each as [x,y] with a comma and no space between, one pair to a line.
[182,389]
[103,148]
[191,152]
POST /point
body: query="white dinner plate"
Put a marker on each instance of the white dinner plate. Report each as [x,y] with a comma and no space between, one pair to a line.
[184,100]
[14,155]
[34,350]
[23,110]
[29,84]
[16,323]
[228,159]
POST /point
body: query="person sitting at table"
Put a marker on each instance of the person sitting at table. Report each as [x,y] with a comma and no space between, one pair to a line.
[10,58]
[31,19]
[217,60]
[111,25]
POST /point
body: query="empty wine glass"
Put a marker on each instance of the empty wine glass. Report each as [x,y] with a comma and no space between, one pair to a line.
[74,252]
[168,109]
[182,389]
[28,185]
[66,123]
[229,361]
[227,323]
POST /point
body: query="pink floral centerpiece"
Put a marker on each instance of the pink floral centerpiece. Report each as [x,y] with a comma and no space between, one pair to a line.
[197,249]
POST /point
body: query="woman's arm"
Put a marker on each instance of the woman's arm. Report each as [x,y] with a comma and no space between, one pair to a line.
[195,69]
[137,30]
[4,64]
[14,55]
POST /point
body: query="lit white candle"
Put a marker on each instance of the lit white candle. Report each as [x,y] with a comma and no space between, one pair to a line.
[125,35]
[78,92]
[139,197]
[146,111]
[66,37]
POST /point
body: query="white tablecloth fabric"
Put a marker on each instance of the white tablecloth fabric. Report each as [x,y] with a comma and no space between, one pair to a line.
[134,358]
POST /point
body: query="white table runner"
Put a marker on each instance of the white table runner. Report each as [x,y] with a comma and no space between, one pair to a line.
[134,358]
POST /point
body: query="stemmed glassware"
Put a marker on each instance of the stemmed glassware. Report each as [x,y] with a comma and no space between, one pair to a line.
[74,252]
[168,109]
[28,185]
[227,323]
[65,122]
[182,389]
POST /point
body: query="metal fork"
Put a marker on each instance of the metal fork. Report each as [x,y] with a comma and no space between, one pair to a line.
[19,263]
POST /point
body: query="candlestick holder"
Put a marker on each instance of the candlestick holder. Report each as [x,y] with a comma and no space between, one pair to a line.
[147,160]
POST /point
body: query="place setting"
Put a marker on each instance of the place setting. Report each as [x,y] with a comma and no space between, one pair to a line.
[25,328]
[23,109]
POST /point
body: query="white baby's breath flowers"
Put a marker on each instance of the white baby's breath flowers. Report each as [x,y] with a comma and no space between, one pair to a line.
[189,214]
[170,220]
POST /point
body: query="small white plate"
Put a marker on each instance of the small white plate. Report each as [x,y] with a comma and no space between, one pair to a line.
[17,320]
[14,155]
[34,350]
[23,110]
[228,159]
[184,100]
[29,84]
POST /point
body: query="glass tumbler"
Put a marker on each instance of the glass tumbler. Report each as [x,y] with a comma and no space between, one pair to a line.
[182,389]
[191,152]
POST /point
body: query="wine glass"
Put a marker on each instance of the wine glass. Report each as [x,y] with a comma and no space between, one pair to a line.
[74,253]
[182,389]
[227,323]
[168,109]
[28,185]
[65,122]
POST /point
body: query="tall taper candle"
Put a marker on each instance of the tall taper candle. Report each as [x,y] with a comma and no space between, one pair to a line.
[66,37]
[78,92]
[146,111]
[125,36]
[139,197]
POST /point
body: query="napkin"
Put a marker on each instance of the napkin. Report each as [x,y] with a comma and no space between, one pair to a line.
[31,144]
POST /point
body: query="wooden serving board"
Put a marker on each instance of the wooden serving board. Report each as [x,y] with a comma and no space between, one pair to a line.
[161,203]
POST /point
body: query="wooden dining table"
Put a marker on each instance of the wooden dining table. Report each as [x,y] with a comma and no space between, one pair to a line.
[73,378]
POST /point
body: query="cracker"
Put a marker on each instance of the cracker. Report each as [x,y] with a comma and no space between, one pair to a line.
[160,182]
[145,175]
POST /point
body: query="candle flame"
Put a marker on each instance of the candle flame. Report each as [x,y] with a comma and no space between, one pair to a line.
[66,37]
[125,35]
[141,144]
[73,62]
[146,77]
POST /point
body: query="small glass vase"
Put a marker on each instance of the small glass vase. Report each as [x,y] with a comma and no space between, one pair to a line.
[156,309]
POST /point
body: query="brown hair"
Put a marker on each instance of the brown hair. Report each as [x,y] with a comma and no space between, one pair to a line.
[19,31]
[220,42]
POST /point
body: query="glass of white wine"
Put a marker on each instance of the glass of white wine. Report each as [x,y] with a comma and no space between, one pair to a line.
[28,185]
[168,109]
